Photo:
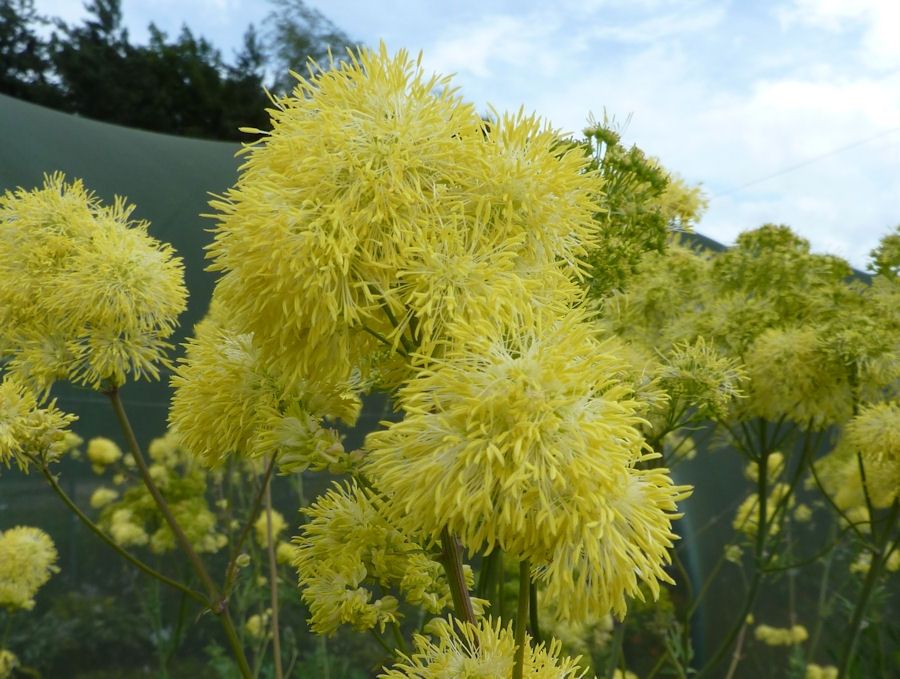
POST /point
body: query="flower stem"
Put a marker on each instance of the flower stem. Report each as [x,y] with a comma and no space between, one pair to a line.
[130,558]
[273,582]
[522,617]
[231,568]
[878,558]
[451,560]
[219,604]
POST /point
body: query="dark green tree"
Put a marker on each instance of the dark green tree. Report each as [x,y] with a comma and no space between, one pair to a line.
[25,67]
[298,33]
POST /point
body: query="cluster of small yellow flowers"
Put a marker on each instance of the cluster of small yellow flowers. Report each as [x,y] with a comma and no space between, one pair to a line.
[700,376]
[863,563]
[28,430]
[85,293]
[347,547]
[102,452]
[781,636]
[225,402]
[102,496]
[792,375]
[734,553]
[285,553]
[405,211]
[125,530]
[774,467]
[8,662]
[521,437]
[261,527]
[27,560]
[132,517]
[814,671]
[746,520]
[257,625]
[875,434]
[483,650]
[627,674]
[802,513]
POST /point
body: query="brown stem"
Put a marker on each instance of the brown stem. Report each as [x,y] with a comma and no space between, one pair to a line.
[451,560]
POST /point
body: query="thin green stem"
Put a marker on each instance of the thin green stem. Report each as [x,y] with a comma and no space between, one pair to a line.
[878,559]
[451,560]
[533,622]
[522,617]
[618,639]
[219,604]
[231,569]
[130,558]
[273,582]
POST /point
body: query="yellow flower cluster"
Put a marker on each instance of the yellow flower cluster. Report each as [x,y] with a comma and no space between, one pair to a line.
[262,529]
[103,496]
[483,650]
[85,293]
[792,374]
[875,434]
[8,662]
[746,519]
[226,401]
[349,546]
[102,452]
[27,429]
[702,377]
[781,636]
[257,625]
[404,210]
[27,560]
[522,437]
[814,671]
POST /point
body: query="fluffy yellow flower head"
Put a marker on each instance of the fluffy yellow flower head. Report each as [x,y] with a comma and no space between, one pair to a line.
[697,375]
[85,293]
[778,636]
[27,560]
[792,374]
[102,497]
[486,650]
[746,519]
[8,662]
[226,401]
[261,527]
[624,547]
[103,452]
[26,429]
[308,240]
[875,434]
[403,210]
[515,438]
[348,546]
[814,671]
[125,530]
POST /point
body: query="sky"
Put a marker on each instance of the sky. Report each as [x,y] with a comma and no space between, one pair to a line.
[786,111]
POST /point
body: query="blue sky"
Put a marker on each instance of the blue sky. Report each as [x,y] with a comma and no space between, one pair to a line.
[786,111]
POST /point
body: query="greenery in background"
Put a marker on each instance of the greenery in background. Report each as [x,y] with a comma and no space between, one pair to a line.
[186,86]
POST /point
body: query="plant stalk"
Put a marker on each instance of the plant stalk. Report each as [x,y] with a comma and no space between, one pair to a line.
[451,560]
[522,617]
[219,604]
[273,582]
